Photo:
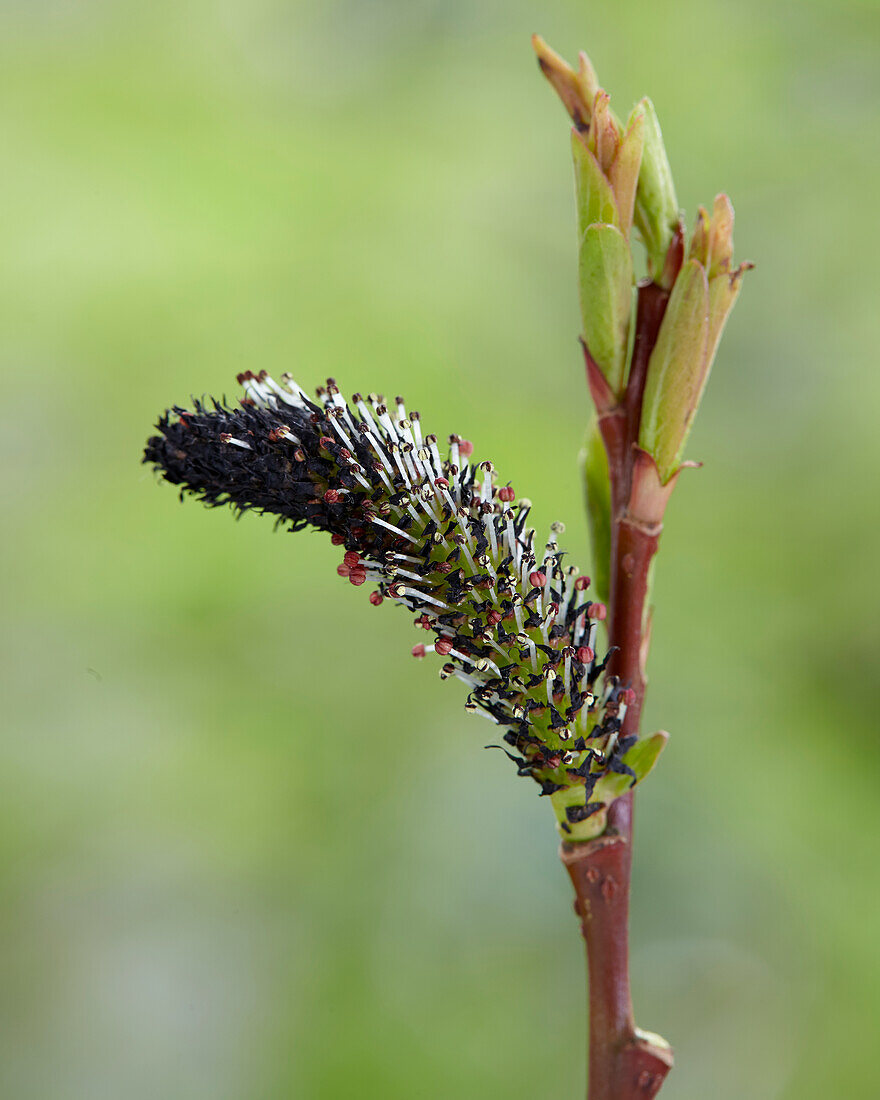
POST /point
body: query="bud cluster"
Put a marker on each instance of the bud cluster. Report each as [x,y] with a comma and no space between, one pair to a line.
[440,537]
[623,181]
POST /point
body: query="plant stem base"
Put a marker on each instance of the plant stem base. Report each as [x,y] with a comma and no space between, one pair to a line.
[624,1063]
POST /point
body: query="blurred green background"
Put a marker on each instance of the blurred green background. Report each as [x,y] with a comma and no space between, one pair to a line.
[250,849]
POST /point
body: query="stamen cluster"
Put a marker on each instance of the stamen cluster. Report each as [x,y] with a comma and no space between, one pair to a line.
[435,535]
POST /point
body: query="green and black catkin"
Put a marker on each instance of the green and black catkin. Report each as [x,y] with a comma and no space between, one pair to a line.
[435,535]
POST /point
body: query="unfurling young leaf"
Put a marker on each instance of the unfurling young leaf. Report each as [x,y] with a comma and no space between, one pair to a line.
[676,370]
[606,283]
[593,195]
[624,173]
[701,300]
[656,208]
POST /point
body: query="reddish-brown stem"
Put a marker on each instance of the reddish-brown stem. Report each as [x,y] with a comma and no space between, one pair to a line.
[623,1065]
[650,307]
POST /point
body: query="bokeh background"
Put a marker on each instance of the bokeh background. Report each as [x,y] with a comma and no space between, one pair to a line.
[250,849]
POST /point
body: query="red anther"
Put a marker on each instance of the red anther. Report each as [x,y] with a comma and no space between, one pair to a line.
[493,618]
[537,579]
[357,576]
[506,494]
[424,622]
[418,651]
[299,454]
[441,482]
[345,452]
[357,532]
[585,654]
[239,378]
[248,375]
[262,376]
[331,496]
[326,442]
[597,611]
[337,540]
[376,598]
[443,567]
[627,696]
[443,647]
[581,583]
[465,447]
[343,570]
[554,609]
[352,558]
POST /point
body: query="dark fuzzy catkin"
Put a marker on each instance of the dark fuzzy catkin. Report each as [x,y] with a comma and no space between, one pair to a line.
[437,536]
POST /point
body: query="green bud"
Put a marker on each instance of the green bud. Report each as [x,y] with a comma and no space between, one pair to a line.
[606,281]
[656,207]
[676,371]
[593,194]
[624,172]
[597,490]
